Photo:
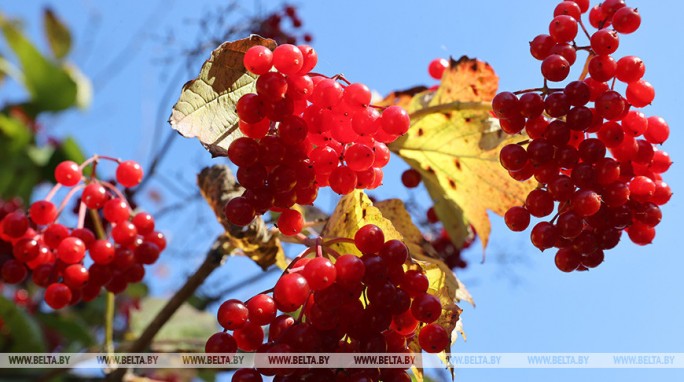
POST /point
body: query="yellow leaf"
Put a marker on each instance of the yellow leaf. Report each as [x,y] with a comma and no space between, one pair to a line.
[356,210]
[442,280]
[353,211]
[454,143]
[218,186]
[206,107]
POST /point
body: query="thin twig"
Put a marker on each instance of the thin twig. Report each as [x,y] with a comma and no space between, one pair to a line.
[213,260]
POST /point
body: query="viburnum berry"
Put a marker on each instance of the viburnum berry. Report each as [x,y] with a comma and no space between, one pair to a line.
[437,67]
[411,178]
[57,295]
[290,222]
[43,212]
[290,292]
[129,173]
[433,338]
[68,174]
[262,309]
[232,314]
[592,152]
[258,59]
[221,343]
[71,250]
[369,239]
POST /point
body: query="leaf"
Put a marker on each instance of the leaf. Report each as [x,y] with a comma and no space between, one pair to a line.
[422,252]
[356,210]
[187,330]
[50,86]
[25,334]
[84,88]
[71,327]
[454,143]
[206,107]
[443,282]
[353,211]
[218,186]
[57,33]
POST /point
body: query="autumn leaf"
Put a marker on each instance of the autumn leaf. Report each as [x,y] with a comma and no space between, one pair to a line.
[218,186]
[454,143]
[443,282]
[206,107]
[356,210]
[424,254]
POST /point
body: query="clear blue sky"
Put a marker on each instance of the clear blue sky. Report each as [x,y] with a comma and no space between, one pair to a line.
[631,303]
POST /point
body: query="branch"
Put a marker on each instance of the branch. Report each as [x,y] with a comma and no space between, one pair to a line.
[214,259]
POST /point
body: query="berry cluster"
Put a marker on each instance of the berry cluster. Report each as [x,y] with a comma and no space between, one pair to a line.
[56,255]
[304,131]
[332,316]
[592,152]
[272,26]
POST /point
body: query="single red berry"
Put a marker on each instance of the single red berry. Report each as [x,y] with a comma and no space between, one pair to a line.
[411,178]
[43,212]
[232,314]
[57,295]
[433,338]
[369,239]
[290,222]
[129,173]
[437,67]
[221,343]
[68,174]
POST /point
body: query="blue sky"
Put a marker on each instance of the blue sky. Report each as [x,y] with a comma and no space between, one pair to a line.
[631,303]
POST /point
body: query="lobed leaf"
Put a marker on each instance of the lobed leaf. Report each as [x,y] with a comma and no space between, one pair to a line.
[356,210]
[206,107]
[454,143]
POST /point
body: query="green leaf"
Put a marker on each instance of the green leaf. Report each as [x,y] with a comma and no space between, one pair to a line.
[57,33]
[15,132]
[71,327]
[84,88]
[68,149]
[206,107]
[24,333]
[187,330]
[50,86]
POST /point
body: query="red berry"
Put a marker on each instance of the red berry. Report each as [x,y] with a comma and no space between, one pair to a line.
[129,173]
[437,68]
[369,239]
[43,212]
[57,295]
[290,222]
[411,178]
[262,309]
[239,211]
[555,68]
[71,250]
[258,59]
[232,314]
[433,338]
[288,59]
[67,173]
[221,343]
